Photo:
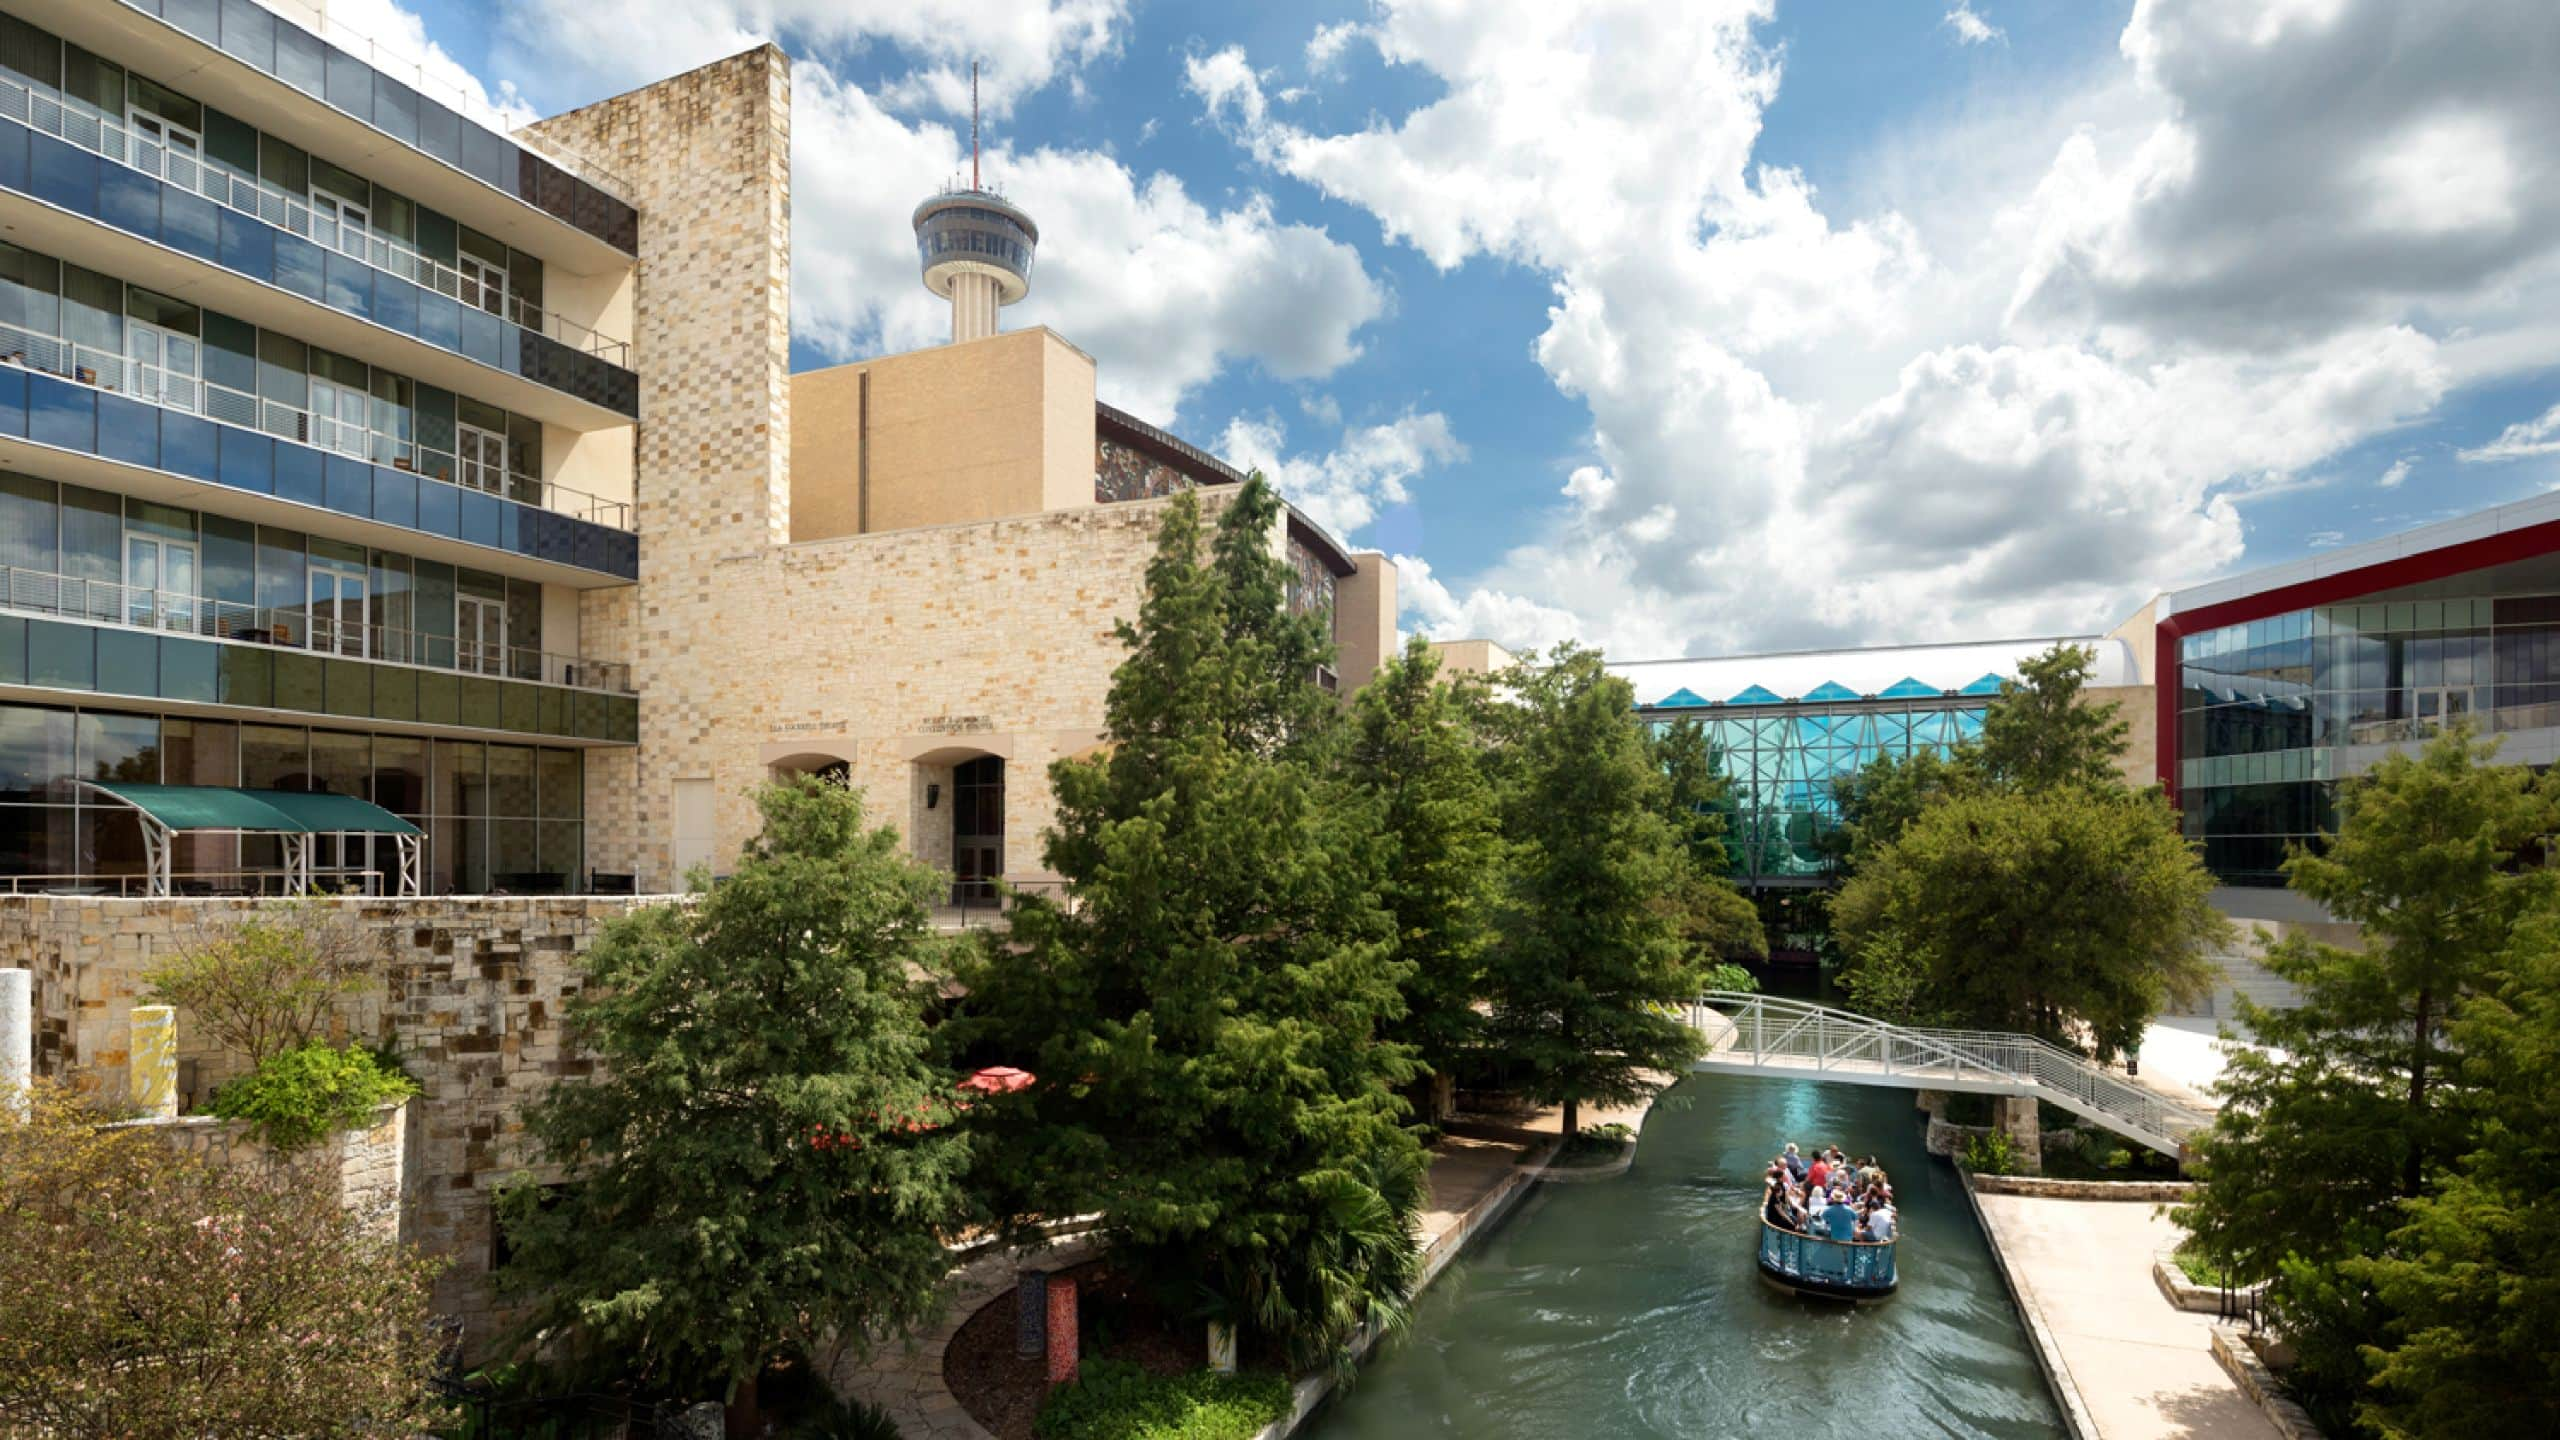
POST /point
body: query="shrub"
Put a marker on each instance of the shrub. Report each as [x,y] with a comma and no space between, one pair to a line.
[1115,1400]
[267,984]
[845,1420]
[1990,1154]
[299,1097]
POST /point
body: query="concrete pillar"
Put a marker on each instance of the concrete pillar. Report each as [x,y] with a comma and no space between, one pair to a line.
[17,1038]
[2015,1115]
[152,1073]
[1065,1346]
[1222,1347]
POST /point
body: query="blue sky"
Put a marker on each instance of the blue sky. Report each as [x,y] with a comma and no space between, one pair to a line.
[1729,325]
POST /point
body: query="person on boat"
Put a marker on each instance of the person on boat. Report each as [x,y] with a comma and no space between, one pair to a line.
[1818,1174]
[1881,1223]
[1794,1162]
[1840,1219]
[1816,1203]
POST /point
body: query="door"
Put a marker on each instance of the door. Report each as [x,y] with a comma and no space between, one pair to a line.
[337,607]
[340,418]
[160,582]
[977,830]
[162,366]
[482,457]
[163,147]
[480,633]
[483,283]
[339,222]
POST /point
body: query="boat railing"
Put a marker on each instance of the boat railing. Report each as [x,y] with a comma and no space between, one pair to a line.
[1847,1264]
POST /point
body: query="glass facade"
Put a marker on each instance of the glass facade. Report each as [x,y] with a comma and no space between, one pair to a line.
[269,43]
[497,817]
[1783,761]
[2272,712]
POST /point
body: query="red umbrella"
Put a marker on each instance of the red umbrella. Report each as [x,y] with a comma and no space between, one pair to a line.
[998,1080]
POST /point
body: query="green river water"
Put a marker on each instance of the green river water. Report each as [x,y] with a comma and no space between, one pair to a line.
[1631,1307]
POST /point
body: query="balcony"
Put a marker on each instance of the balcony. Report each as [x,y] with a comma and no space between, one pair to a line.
[94,418]
[420,135]
[60,632]
[275,262]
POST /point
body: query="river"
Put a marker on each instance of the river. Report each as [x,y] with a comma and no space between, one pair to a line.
[1631,1308]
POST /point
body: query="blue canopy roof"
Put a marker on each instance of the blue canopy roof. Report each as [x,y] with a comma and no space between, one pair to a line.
[1755,695]
[1683,696]
[1831,690]
[1907,688]
[1987,685]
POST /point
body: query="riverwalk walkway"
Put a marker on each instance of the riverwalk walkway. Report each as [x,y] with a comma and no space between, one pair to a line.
[2144,1370]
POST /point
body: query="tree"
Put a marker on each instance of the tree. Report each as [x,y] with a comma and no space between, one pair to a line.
[2359,1099]
[2081,908]
[1717,922]
[269,982]
[1588,955]
[1413,752]
[766,1156]
[2043,733]
[145,1295]
[2472,1273]
[1881,799]
[1207,1018]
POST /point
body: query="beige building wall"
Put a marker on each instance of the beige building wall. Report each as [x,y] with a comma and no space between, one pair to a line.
[1471,657]
[1364,619]
[979,430]
[2137,706]
[710,155]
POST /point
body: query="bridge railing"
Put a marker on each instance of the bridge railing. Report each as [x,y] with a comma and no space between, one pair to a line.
[1847,1264]
[1763,1027]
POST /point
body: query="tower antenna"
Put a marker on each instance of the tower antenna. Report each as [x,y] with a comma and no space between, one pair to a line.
[973,124]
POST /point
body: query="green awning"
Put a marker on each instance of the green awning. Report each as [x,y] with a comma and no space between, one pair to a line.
[219,807]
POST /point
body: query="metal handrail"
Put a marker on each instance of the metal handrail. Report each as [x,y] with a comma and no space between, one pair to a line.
[114,142]
[411,71]
[176,390]
[1765,1026]
[294,627]
[199,882]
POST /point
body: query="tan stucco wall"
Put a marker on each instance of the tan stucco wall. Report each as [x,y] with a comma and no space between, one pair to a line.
[2137,706]
[973,431]
[1364,619]
[1471,657]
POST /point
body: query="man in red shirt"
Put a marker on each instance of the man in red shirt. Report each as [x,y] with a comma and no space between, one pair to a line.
[1820,1174]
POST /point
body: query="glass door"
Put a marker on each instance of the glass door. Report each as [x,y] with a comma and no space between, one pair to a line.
[339,223]
[482,457]
[480,630]
[162,366]
[337,607]
[160,582]
[484,283]
[340,418]
[164,147]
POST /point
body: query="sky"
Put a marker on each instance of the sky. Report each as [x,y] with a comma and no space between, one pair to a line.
[1717,327]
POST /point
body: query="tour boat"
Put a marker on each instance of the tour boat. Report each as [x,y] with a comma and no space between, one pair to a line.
[1821,1268]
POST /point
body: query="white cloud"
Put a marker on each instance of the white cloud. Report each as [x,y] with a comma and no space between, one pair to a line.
[2018,381]
[2523,440]
[1366,471]
[397,39]
[1522,626]
[1023,44]
[2390,479]
[1325,47]
[1970,27]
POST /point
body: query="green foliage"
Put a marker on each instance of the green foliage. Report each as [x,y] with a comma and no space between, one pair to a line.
[2389,1156]
[146,1293]
[2040,913]
[1716,921]
[1114,1400]
[297,1098]
[2198,1267]
[844,1420]
[1881,799]
[1990,1154]
[267,983]
[1589,956]
[2042,733]
[766,1160]
[1209,1016]
[1412,752]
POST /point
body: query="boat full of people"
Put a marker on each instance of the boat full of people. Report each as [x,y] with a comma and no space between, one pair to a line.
[1828,1226]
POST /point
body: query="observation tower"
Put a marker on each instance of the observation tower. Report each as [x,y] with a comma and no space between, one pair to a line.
[975,245]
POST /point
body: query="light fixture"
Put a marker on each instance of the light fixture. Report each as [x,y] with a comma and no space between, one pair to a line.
[932,795]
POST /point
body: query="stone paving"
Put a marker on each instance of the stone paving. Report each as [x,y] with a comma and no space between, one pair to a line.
[2144,1370]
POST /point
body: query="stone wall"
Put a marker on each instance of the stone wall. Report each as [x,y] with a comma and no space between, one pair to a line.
[471,999]
[367,1167]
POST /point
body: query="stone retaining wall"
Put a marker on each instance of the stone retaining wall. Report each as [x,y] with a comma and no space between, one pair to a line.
[2156,1191]
[368,1166]
[2231,1347]
[472,998]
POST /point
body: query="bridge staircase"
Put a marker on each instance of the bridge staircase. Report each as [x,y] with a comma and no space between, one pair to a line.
[1765,1035]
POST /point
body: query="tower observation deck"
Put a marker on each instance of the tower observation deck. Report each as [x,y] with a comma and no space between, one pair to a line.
[975,245]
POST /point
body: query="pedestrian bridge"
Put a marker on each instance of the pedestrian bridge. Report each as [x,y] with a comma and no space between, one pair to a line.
[1765,1035]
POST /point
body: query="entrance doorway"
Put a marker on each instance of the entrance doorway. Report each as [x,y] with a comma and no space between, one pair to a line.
[977,829]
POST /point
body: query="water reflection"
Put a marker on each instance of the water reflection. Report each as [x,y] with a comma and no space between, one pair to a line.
[1632,1308]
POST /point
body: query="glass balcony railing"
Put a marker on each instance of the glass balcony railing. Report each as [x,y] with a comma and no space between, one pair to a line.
[188,394]
[116,143]
[299,627]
